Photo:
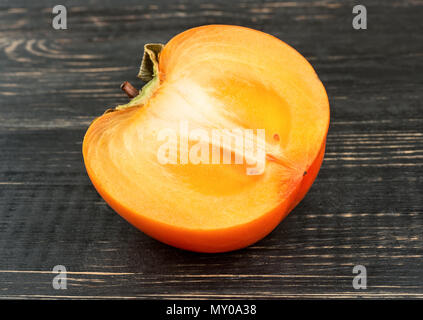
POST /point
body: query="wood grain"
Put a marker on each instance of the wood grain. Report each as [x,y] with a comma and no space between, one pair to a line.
[366,207]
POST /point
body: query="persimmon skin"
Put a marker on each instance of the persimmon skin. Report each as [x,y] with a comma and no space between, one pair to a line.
[198,238]
[217,241]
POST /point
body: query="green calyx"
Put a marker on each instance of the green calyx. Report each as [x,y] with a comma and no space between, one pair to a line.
[149,72]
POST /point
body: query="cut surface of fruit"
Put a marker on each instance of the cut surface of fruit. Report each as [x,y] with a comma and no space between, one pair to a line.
[213,80]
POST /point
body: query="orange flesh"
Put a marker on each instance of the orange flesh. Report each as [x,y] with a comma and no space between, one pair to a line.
[214,77]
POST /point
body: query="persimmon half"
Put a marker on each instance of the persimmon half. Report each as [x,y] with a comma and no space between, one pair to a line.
[212,77]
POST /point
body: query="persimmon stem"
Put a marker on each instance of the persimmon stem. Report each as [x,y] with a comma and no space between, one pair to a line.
[129,89]
[149,73]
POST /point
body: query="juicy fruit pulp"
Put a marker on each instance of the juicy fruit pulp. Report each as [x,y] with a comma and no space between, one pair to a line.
[213,77]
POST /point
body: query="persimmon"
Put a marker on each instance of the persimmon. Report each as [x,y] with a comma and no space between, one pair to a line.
[215,77]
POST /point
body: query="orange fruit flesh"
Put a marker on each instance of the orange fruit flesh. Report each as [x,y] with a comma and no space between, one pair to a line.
[214,77]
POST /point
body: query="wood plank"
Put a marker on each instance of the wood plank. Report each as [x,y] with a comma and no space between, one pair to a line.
[365,207]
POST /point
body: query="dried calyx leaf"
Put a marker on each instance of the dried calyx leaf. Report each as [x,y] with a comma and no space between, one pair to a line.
[149,72]
[150,61]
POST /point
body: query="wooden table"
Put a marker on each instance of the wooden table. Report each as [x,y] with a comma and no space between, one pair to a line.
[365,208]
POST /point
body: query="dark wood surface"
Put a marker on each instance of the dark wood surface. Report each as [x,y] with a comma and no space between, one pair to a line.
[366,206]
